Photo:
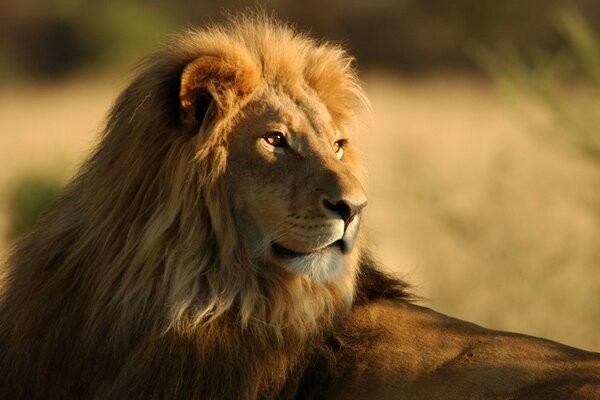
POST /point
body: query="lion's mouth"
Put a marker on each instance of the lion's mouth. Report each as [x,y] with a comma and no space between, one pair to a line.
[283,252]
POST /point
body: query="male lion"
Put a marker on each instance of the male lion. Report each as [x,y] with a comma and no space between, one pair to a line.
[209,249]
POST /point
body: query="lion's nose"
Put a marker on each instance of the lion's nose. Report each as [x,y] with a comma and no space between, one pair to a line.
[345,209]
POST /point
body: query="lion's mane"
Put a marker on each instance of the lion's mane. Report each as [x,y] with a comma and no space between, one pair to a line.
[136,279]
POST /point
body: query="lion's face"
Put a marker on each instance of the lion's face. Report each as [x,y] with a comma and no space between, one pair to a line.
[292,175]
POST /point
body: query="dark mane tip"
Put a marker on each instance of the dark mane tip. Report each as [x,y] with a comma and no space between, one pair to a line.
[374,284]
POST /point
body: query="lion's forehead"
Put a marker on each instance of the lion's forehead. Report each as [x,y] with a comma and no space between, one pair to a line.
[301,111]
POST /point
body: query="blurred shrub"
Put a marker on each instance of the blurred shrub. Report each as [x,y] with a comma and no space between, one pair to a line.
[558,92]
[49,47]
[62,37]
[55,37]
[123,32]
[428,36]
[29,198]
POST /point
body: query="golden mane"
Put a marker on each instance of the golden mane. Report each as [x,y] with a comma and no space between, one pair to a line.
[184,206]
[144,239]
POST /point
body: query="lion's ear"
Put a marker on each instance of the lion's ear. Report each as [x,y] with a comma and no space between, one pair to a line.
[209,87]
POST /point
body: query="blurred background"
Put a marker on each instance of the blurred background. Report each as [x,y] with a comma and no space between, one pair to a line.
[483,150]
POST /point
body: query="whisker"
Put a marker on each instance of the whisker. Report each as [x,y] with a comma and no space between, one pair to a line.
[279,232]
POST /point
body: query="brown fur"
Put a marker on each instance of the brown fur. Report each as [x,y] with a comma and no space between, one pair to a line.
[390,350]
[141,282]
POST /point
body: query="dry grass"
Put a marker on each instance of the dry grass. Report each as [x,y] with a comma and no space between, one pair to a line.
[491,225]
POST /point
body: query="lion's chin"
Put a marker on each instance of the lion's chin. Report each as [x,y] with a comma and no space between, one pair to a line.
[323,265]
[283,252]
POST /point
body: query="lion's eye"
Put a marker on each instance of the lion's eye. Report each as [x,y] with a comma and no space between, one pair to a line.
[338,148]
[275,139]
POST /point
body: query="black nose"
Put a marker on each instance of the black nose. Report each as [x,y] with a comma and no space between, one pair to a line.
[344,209]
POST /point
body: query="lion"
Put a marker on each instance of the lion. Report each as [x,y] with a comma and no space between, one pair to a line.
[210,248]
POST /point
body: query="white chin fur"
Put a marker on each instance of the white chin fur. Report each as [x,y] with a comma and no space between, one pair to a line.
[323,266]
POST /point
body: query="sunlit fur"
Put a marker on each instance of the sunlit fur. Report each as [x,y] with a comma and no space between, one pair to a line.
[139,267]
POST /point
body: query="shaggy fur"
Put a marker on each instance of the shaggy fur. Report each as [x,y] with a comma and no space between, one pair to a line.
[136,283]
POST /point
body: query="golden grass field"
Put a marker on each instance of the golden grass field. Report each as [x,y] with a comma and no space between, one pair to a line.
[490,223]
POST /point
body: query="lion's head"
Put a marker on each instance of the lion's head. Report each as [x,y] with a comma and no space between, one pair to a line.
[217,219]
[226,183]
[290,177]
[279,172]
